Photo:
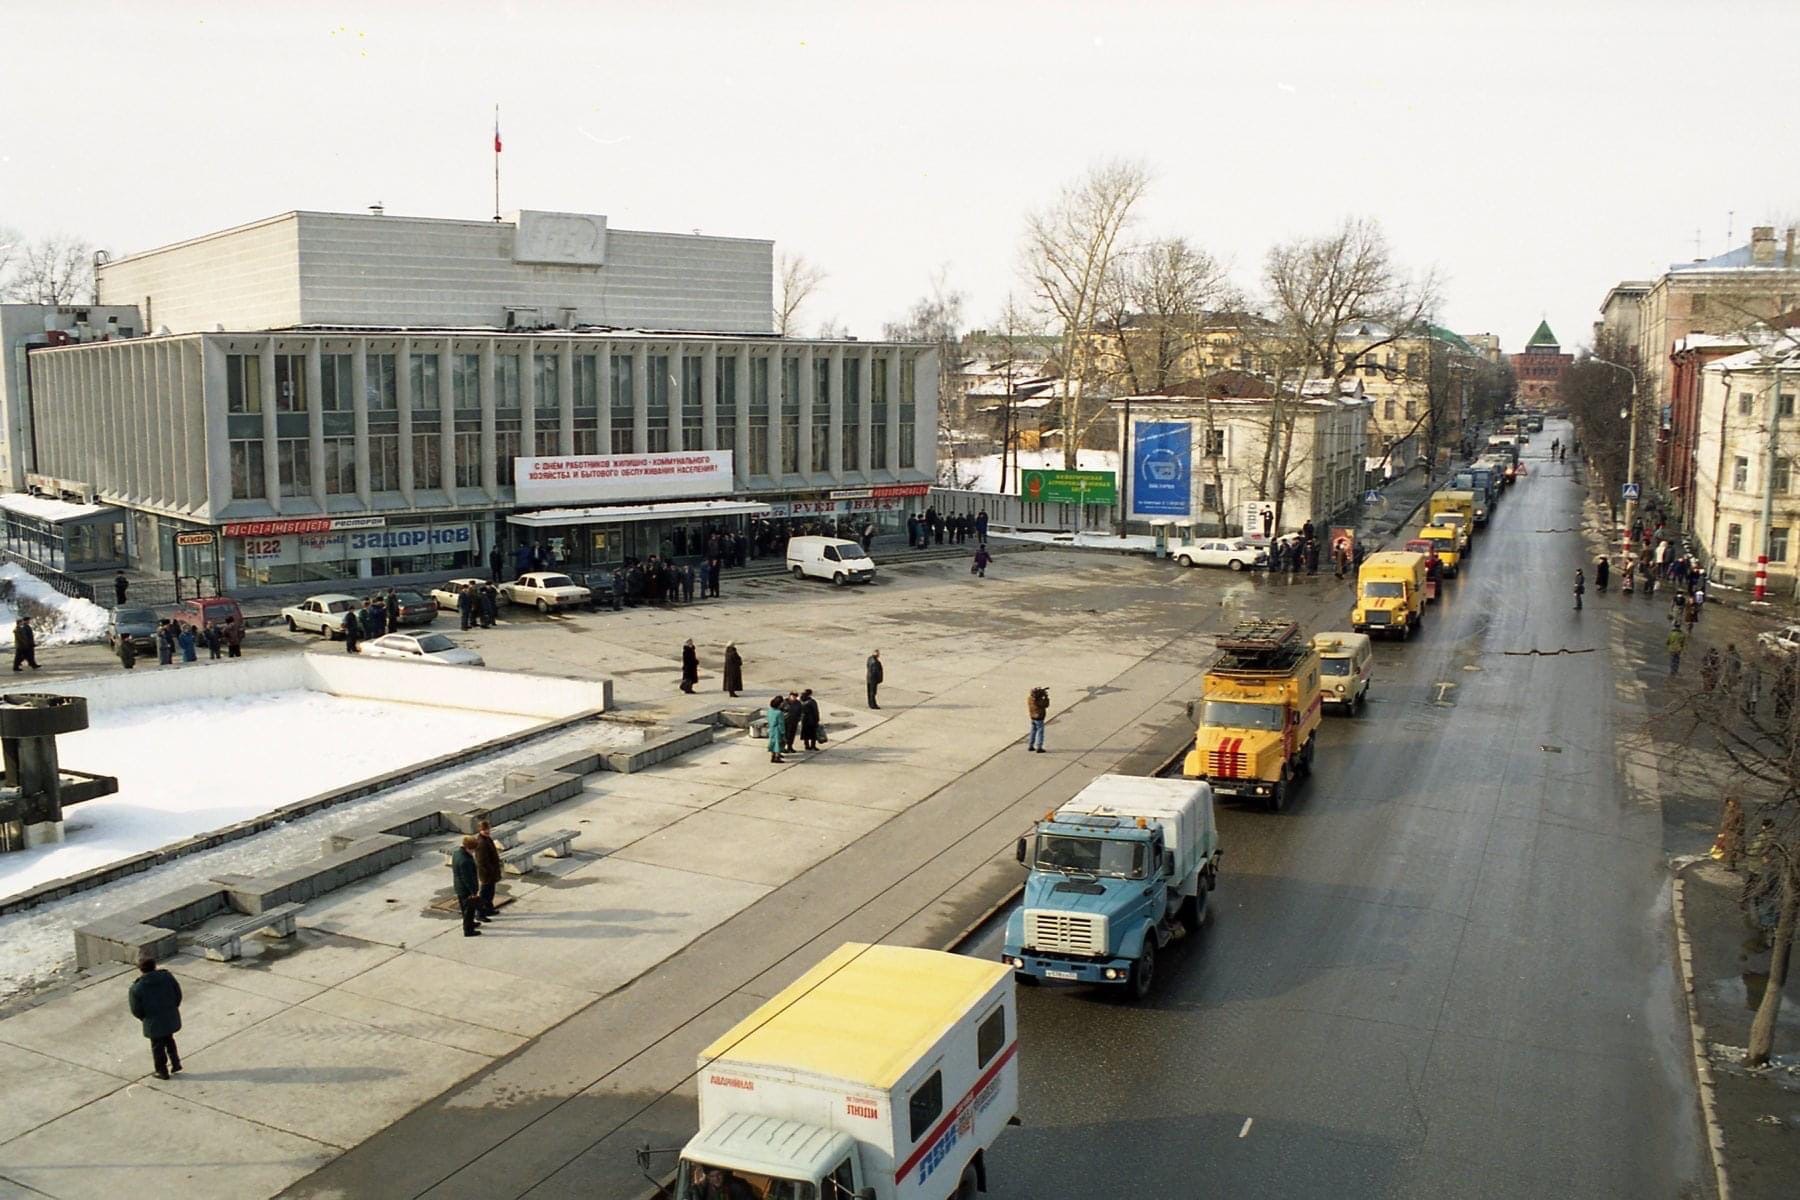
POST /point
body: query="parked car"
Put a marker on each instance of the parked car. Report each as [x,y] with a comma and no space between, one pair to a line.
[445,597]
[1785,640]
[836,559]
[1235,553]
[323,615]
[415,608]
[421,647]
[544,590]
[136,624]
[207,610]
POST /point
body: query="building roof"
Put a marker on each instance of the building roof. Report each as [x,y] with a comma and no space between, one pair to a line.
[1543,337]
[46,508]
[865,1014]
[1784,355]
[1740,259]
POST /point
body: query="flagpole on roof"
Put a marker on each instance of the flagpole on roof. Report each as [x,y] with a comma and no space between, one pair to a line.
[496,163]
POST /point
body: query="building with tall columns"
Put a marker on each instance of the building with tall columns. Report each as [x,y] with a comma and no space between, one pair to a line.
[336,396]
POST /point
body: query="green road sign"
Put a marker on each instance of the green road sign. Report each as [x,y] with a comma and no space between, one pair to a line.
[1068,487]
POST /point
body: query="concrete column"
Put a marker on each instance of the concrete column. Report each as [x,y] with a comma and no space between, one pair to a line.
[677,398]
[925,412]
[527,402]
[403,402]
[865,407]
[808,398]
[709,397]
[565,397]
[740,433]
[359,402]
[271,461]
[893,413]
[446,420]
[603,369]
[835,375]
[777,370]
[218,432]
[490,480]
[640,399]
[315,420]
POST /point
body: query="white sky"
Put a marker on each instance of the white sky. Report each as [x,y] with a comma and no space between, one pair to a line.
[1535,153]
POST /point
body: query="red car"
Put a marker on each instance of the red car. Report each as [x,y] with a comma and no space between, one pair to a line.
[207,610]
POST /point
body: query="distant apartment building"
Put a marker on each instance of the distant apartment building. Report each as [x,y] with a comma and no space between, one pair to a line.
[1622,315]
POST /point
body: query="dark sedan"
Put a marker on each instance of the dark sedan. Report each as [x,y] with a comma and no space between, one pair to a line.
[138,624]
[416,608]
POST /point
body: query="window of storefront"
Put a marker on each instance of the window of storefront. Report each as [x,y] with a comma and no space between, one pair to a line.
[657,436]
[465,382]
[852,413]
[428,456]
[621,404]
[506,381]
[725,400]
[878,415]
[337,391]
[294,465]
[468,456]
[423,370]
[587,404]
[909,408]
[506,448]
[243,383]
[693,424]
[382,382]
[384,457]
[290,383]
[247,479]
[790,416]
[821,414]
[340,465]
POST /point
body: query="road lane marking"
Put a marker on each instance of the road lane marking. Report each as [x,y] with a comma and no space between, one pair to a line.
[1245,1131]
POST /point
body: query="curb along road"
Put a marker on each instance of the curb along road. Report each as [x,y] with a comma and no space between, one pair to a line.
[1715,1132]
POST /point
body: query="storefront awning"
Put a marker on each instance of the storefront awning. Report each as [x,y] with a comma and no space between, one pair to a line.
[616,514]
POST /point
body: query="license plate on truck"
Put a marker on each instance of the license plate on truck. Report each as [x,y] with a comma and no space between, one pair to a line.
[1061,974]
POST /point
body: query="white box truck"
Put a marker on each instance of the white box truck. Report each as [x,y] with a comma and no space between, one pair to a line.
[883,1073]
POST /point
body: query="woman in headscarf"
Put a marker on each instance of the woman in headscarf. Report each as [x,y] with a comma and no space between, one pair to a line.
[777,718]
[690,666]
[734,670]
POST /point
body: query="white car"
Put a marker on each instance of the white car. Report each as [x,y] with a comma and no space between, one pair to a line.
[1785,640]
[544,590]
[323,615]
[422,647]
[445,597]
[1235,553]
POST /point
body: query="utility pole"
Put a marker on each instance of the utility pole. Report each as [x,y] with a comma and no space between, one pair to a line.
[1768,504]
[1630,451]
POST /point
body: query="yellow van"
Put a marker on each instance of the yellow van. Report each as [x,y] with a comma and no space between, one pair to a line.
[1448,540]
[1346,665]
[1462,525]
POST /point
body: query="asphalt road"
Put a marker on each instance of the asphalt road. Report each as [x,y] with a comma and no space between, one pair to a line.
[1446,971]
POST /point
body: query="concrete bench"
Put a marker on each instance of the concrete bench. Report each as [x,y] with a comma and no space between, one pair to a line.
[520,859]
[223,945]
[506,836]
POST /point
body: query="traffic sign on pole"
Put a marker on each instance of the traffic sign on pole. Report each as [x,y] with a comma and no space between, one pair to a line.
[1631,491]
[1371,497]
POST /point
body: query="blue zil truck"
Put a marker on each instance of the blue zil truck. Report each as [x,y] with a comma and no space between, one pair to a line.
[1117,873]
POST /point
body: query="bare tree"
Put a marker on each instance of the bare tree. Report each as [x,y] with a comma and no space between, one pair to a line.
[1599,399]
[1153,306]
[58,269]
[1068,258]
[1016,329]
[796,279]
[11,243]
[937,318]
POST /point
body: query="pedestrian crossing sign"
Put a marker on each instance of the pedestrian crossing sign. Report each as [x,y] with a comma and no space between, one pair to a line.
[1631,491]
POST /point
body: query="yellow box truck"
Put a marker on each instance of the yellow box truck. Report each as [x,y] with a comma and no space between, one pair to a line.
[1449,545]
[1453,500]
[1390,593]
[1260,709]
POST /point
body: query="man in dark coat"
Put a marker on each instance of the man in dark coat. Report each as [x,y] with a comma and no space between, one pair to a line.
[618,590]
[872,676]
[734,670]
[392,603]
[127,653]
[687,584]
[120,583]
[792,713]
[155,1000]
[465,606]
[496,560]
[809,720]
[165,642]
[487,601]
[690,666]
[981,524]
[352,631]
[487,872]
[377,610]
[24,645]
[466,878]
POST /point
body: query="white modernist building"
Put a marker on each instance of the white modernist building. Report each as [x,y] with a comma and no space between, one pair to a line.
[374,396]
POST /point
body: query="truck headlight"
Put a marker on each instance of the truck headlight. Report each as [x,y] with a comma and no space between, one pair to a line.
[1112,973]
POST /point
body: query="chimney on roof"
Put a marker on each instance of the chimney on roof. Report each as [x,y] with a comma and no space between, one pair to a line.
[375,209]
[1762,245]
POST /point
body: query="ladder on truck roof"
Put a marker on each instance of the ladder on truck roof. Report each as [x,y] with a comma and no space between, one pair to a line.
[1260,646]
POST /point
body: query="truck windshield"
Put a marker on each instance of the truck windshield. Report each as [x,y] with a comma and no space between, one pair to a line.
[1090,855]
[699,1181]
[1386,591]
[1238,715]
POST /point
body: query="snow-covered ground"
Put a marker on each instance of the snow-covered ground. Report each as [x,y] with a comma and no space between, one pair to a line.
[73,620]
[983,474]
[205,763]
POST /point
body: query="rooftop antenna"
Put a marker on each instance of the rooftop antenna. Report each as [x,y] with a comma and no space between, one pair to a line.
[496,164]
[497,208]
[1730,224]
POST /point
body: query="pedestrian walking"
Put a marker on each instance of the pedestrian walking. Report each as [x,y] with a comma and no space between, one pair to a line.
[24,645]
[496,561]
[155,1000]
[687,584]
[775,717]
[690,666]
[487,604]
[127,653]
[1580,587]
[465,878]
[868,535]
[873,676]
[981,525]
[352,632]
[714,569]
[120,586]
[234,638]
[1602,568]
[1676,643]
[165,642]
[982,559]
[487,872]
[809,720]
[188,644]
[734,670]
[1690,613]
[465,606]
[1728,847]
[1628,578]
[618,590]
[792,711]
[1037,709]
[392,604]
[1312,556]
[215,641]
[1752,688]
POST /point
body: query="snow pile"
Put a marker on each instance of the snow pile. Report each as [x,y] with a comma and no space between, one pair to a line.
[983,474]
[198,765]
[58,619]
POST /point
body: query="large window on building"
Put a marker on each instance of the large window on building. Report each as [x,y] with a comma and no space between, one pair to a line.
[657,388]
[693,414]
[759,416]
[725,401]
[423,370]
[247,479]
[790,416]
[506,448]
[821,414]
[1734,541]
[384,459]
[1778,540]
[293,463]
[587,404]
[428,458]
[546,383]
[507,386]
[1782,476]
[336,393]
[340,465]
[243,383]
[878,414]
[468,456]
[909,413]
[1740,473]
[622,406]
[465,381]
[852,413]
[381,382]
[290,383]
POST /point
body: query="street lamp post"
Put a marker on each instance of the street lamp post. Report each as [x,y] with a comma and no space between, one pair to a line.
[1630,450]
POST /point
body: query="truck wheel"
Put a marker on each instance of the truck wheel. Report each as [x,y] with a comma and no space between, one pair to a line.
[966,1190]
[1278,797]
[1193,909]
[1143,971]
[837,579]
[1306,756]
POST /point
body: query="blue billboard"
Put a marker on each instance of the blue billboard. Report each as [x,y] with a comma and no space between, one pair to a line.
[1161,466]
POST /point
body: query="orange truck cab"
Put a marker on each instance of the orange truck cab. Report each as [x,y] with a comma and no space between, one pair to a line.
[1261,706]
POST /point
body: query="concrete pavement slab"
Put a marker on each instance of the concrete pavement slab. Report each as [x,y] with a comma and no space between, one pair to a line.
[769,803]
[416,1023]
[93,1028]
[324,958]
[40,1089]
[733,846]
[610,821]
[447,988]
[152,1145]
[838,777]
[296,1070]
[246,974]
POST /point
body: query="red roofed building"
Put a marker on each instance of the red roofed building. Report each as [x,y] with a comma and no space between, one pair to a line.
[1539,369]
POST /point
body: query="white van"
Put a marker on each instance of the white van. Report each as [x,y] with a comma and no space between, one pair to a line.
[830,558]
[1346,665]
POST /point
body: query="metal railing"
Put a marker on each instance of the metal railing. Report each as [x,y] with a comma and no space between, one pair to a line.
[1018,513]
[63,582]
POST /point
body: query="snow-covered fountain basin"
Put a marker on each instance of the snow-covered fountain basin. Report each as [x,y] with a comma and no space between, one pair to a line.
[214,750]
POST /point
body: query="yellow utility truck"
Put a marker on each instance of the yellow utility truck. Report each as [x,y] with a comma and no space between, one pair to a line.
[1453,500]
[1449,545]
[1260,709]
[1390,593]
